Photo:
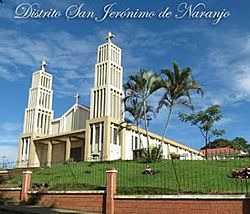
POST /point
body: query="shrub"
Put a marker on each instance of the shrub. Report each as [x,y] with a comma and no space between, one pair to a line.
[174,155]
[154,150]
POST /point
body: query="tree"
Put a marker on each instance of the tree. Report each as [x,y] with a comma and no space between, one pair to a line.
[134,109]
[139,88]
[240,143]
[205,121]
[177,85]
[218,143]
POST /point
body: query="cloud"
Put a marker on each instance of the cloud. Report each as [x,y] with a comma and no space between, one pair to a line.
[224,121]
[8,75]
[10,154]
[224,69]
[9,132]
[10,127]
[144,47]
[71,59]
[9,139]
[242,80]
[6,10]
[8,143]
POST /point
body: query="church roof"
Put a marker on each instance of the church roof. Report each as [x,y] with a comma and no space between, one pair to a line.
[71,108]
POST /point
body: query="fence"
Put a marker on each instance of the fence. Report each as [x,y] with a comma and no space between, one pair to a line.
[63,176]
[7,165]
[168,176]
[176,176]
[110,202]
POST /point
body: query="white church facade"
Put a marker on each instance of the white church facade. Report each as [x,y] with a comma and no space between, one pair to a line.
[86,133]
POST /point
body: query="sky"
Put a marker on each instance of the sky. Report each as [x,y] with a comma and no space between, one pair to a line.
[217,50]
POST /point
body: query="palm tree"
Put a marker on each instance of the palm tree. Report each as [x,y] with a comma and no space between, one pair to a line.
[177,85]
[135,110]
[139,88]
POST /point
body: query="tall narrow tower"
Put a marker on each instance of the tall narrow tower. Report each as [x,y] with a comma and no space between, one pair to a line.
[38,115]
[106,111]
[39,112]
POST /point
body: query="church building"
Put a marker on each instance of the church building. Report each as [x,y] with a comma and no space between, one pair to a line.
[86,133]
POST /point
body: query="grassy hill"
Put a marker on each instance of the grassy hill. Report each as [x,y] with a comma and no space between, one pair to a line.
[206,176]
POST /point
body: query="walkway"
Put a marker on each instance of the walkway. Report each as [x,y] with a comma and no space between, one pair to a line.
[28,209]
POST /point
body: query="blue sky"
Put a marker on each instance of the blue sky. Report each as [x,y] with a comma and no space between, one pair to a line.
[219,56]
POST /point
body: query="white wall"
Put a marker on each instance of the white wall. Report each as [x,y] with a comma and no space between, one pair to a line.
[167,148]
[74,119]
[55,127]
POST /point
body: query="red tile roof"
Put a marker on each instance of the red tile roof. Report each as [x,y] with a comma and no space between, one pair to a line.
[223,150]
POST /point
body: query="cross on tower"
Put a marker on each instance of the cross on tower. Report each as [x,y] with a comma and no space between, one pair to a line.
[110,36]
[77,97]
[43,65]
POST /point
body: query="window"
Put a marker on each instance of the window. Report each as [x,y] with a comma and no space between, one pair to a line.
[41,124]
[91,135]
[132,142]
[38,120]
[97,134]
[26,146]
[115,136]
[23,146]
[102,134]
[136,142]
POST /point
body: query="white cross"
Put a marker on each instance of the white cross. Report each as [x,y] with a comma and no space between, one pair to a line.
[110,36]
[43,66]
[77,96]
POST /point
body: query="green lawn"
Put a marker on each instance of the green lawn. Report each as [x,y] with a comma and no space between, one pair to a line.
[207,176]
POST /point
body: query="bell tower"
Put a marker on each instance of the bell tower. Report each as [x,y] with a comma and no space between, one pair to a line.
[38,115]
[106,111]
[107,92]
[39,112]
